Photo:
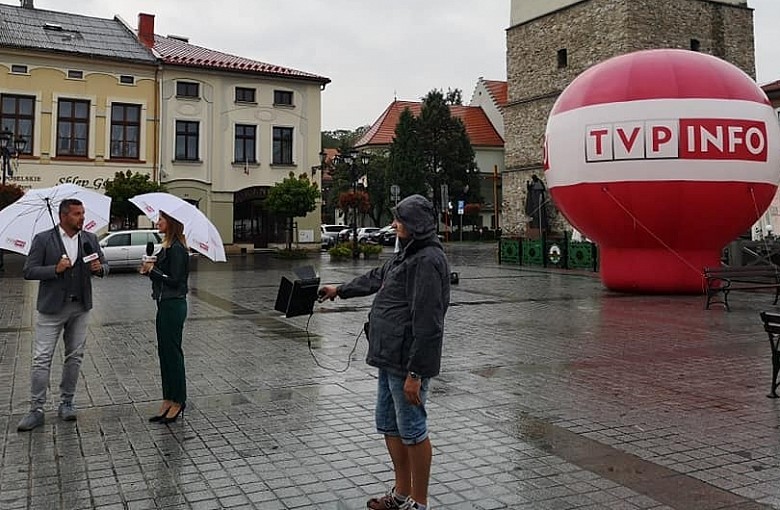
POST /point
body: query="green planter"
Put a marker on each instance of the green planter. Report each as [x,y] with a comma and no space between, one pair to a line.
[532,252]
[509,251]
[581,255]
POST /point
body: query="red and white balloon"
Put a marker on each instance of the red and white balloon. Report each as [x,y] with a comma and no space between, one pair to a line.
[662,157]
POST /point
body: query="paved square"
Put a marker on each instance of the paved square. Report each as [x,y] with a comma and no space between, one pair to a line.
[554,394]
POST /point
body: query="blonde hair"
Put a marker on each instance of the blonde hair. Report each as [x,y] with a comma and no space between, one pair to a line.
[175,231]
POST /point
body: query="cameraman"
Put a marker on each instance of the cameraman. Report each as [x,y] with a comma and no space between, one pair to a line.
[405,332]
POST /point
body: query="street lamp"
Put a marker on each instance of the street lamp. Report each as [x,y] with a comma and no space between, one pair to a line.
[7,153]
[321,168]
[351,159]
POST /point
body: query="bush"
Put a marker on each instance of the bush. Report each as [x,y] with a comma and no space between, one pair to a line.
[341,251]
[370,249]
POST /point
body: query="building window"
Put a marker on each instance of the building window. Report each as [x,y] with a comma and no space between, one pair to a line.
[187,89]
[187,140]
[19,69]
[72,127]
[695,45]
[245,95]
[283,97]
[75,75]
[246,138]
[126,79]
[283,146]
[125,130]
[563,58]
[17,115]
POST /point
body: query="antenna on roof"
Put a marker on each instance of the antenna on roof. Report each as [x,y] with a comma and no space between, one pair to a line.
[395,95]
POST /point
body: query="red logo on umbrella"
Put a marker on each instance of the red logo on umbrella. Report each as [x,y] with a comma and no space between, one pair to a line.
[19,243]
[90,225]
[204,246]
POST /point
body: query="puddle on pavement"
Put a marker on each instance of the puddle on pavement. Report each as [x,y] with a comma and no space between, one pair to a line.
[221,303]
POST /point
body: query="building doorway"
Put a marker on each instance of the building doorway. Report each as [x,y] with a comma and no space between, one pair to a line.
[252,222]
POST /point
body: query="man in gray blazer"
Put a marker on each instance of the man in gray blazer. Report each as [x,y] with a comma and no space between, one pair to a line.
[64,259]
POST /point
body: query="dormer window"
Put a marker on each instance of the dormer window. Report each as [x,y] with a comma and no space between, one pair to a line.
[18,69]
[75,75]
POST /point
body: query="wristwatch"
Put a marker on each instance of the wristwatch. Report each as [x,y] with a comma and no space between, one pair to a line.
[415,376]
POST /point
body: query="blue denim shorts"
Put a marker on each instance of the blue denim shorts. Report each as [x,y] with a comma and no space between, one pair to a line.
[395,416]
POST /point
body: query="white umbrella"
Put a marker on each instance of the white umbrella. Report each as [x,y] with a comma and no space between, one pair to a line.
[202,236]
[37,209]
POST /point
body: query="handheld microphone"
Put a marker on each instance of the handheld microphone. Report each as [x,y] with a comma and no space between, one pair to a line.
[149,257]
[89,253]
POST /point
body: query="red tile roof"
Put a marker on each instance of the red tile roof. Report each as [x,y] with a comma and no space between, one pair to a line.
[481,132]
[771,87]
[178,52]
[497,90]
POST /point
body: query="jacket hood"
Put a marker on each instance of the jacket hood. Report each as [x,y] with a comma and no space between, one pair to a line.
[418,216]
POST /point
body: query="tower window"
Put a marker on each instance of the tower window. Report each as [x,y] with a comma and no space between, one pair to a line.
[695,45]
[563,58]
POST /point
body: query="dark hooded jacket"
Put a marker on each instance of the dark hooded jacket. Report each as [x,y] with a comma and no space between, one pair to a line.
[406,323]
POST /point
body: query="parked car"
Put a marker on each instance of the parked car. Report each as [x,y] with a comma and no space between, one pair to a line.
[124,249]
[345,235]
[384,236]
[329,235]
[363,233]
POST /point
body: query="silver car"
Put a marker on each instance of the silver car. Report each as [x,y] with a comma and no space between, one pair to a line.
[125,248]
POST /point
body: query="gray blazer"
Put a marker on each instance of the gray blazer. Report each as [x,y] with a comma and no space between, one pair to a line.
[45,252]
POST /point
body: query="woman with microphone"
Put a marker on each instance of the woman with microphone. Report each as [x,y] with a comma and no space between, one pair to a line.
[169,275]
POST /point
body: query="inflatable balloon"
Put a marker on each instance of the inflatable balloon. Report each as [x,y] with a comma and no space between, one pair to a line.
[662,157]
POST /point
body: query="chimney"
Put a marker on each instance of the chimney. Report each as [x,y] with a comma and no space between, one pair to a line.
[27,4]
[145,29]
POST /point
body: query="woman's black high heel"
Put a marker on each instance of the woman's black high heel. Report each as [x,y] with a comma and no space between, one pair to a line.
[165,419]
[158,418]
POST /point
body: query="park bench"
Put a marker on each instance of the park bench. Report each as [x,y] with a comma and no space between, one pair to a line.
[771,322]
[723,280]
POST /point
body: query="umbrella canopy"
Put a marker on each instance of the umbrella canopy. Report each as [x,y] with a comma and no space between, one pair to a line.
[202,236]
[37,209]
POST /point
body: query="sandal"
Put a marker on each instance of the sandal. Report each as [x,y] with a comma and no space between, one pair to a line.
[385,502]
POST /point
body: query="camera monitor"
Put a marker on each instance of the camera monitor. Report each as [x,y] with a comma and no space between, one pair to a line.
[296,296]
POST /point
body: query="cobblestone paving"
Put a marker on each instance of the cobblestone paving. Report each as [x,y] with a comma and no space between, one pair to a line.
[554,394]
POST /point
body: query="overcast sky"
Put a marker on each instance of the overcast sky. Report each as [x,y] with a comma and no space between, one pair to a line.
[372,50]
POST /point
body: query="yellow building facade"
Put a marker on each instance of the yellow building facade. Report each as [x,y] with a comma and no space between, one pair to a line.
[72,107]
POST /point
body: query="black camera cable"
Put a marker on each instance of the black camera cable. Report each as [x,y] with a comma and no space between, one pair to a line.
[314,357]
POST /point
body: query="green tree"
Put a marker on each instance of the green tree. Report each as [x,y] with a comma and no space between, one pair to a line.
[9,193]
[407,163]
[122,188]
[448,157]
[292,198]
[378,188]
[342,137]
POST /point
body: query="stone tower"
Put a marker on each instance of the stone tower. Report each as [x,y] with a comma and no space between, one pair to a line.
[550,42]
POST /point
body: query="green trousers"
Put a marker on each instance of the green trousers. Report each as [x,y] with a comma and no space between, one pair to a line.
[170,325]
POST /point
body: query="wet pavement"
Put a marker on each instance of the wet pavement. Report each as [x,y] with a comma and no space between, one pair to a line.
[554,394]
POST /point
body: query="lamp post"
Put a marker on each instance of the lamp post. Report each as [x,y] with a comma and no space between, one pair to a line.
[7,153]
[351,159]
